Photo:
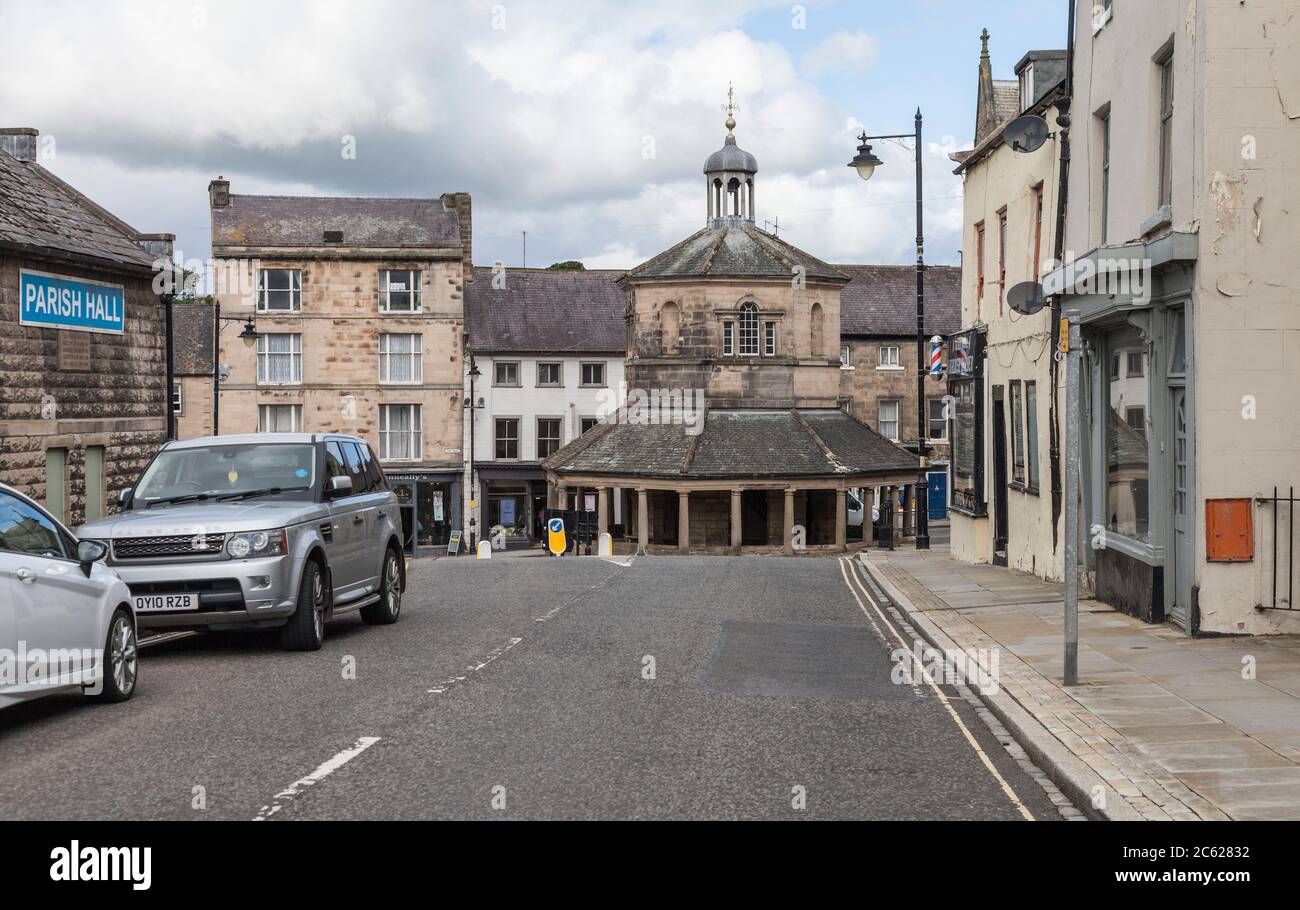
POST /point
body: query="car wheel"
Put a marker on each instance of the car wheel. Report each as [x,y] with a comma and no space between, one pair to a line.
[386,611]
[306,627]
[121,661]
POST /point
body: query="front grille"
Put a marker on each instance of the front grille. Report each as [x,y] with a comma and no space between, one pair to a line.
[180,545]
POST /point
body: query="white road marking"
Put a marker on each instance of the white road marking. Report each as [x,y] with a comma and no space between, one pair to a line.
[474,668]
[296,788]
[906,645]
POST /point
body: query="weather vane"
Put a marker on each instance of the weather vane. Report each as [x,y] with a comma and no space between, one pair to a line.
[730,107]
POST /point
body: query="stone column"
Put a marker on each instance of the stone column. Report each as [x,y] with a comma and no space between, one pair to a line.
[683,522]
[642,520]
[737,522]
[841,520]
[789,521]
[602,510]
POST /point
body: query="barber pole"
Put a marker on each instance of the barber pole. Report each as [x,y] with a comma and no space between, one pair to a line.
[936,356]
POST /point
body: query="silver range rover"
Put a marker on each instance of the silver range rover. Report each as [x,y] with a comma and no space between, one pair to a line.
[272,530]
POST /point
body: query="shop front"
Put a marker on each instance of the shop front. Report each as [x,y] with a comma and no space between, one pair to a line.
[430,506]
[515,500]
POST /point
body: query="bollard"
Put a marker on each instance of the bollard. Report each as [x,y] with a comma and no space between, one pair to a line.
[484,549]
[606,545]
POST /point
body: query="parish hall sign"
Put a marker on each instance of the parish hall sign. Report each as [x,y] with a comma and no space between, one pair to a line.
[58,302]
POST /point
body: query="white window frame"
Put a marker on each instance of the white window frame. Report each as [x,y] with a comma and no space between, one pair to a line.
[496,373]
[264,414]
[559,437]
[559,365]
[294,289]
[891,361]
[846,357]
[582,375]
[749,330]
[769,339]
[413,282]
[518,438]
[896,420]
[728,338]
[930,419]
[415,356]
[414,437]
[178,399]
[264,355]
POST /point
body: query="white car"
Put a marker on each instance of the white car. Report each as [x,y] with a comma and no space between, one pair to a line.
[856,512]
[66,621]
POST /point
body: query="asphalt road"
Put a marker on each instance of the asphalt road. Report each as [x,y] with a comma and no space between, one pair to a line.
[518,688]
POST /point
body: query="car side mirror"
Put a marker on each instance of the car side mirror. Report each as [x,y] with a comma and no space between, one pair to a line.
[90,552]
[124,498]
[339,486]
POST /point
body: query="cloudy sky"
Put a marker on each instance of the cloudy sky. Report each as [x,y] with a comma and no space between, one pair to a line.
[582,122]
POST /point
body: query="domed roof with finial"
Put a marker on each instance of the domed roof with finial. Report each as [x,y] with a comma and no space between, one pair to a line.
[731,157]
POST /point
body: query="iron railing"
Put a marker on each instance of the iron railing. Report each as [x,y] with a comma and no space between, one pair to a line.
[1277,503]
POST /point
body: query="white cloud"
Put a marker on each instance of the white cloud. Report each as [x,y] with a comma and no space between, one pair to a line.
[543,121]
[849,52]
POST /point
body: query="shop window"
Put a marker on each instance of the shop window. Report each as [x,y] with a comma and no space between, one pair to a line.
[1128,465]
[1017,433]
[1031,435]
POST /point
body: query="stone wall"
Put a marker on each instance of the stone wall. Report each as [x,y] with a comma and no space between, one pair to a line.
[119,403]
[340,324]
[195,419]
[866,383]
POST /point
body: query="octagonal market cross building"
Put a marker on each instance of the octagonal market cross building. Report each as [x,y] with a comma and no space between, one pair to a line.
[731,433]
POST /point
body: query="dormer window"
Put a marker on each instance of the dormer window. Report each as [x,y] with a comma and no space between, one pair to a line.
[1027,88]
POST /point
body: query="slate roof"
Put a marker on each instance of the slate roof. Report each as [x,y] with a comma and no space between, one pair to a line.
[192,337]
[546,311]
[1006,99]
[38,211]
[733,252]
[880,300]
[753,444]
[290,221]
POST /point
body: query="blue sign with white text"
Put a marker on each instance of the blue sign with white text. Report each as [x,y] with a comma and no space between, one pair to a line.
[56,302]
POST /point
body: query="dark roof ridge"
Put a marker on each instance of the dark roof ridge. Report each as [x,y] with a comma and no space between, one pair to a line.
[840,467]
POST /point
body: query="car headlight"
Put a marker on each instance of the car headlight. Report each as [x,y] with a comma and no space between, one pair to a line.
[257,543]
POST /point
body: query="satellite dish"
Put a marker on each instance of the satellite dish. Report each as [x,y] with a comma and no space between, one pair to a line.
[1027,298]
[1026,134]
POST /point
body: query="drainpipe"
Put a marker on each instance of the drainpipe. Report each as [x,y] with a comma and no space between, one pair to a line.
[1062,196]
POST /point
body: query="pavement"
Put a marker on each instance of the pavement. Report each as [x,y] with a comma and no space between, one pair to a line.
[1161,726]
[672,687]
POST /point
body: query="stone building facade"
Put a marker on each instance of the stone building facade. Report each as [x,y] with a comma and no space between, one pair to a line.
[193,376]
[359,315]
[83,391]
[1183,194]
[878,358]
[1007,499]
[732,438]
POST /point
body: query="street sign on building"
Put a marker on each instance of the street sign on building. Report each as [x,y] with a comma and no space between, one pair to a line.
[59,302]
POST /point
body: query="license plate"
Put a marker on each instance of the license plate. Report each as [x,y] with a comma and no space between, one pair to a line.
[165,603]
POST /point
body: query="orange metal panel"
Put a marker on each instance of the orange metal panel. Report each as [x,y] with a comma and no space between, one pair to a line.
[1229,531]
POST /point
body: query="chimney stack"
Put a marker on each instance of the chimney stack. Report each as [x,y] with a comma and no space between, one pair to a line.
[460,204]
[219,193]
[19,142]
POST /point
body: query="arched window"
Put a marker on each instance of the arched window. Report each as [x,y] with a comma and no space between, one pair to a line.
[818,345]
[670,328]
[749,330]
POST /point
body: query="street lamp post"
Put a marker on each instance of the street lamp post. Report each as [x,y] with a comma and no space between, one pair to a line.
[248,335]
[471,405]
[865,163]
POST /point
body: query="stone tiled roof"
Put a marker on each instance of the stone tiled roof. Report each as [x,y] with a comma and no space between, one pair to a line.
[192,337]
[751,444]
[881,300]
[41,212]
[546,311]
[301,221]
[733,252]
[1006,99]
